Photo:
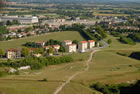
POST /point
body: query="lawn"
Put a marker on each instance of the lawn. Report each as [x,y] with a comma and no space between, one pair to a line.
[27,87]
[67,35]
[108,67]
[117,45]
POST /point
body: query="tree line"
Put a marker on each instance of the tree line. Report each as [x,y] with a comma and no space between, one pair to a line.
[37,62]
[122,88]
[94,32]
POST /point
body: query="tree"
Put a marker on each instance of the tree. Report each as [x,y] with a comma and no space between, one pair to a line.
[75,41]
[25,52]
[2,53]
[101,31]
[1,37]
[109,41]
[62,49]
[8,23]
[3,29]
[126,40]
[50,51]
[29,29]
[19,31]
[15,22]
[39,51]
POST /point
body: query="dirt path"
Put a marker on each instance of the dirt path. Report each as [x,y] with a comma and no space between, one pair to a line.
[77,73]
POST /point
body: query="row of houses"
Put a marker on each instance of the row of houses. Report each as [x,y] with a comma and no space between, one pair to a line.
[16,53]
[70,48]
[14,35]
[82,45]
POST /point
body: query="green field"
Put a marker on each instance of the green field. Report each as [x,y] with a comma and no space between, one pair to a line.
[67,35]
[106,67]
[116,45]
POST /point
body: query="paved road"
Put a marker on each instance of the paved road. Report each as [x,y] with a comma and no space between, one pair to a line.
[77,73]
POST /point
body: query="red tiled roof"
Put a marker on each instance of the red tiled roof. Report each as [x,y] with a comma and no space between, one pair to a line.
[56,45]
[12,50]
[83,41]
[72,45]
[47,46]
[31,49]
[67,41]
[91,41]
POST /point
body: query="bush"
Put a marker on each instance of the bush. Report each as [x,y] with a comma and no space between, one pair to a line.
[115,34]
[134,37]
[123,88]
[37,63]
[109,41]
[44,80]
[127,40]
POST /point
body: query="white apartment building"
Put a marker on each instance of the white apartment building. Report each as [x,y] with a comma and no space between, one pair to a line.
[82,46]
[71,48]
[13,53]
[91,44]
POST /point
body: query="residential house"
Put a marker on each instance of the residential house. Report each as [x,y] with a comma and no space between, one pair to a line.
[47,47]
[82,46]
[37,55]
[18,27]
[66,42]
[56,47]
[91,44]
[71,48]
[23,34]
[13,53]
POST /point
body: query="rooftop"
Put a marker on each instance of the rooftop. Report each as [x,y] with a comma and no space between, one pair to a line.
[83,41]
[56,45]
[72,45]
[91,41]
[12,50]
[67,41]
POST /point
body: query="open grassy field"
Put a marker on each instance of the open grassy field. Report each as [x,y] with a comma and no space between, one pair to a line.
[116,45]
[106,67]
[67,35]
[103,14]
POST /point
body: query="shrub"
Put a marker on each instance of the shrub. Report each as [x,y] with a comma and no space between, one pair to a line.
[122,88]
[127,40]
[44,80]
[109,41]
